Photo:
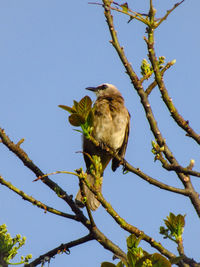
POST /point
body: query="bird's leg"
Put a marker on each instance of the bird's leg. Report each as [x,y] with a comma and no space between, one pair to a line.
[104,146]
[124,168]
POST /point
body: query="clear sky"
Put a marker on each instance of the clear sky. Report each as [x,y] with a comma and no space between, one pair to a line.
[49,52]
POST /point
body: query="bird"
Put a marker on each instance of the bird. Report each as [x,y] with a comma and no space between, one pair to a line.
[111,126]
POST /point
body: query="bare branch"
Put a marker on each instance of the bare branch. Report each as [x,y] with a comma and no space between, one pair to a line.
[185,179]
[21,154]
[36,202]
[99,236]
[169,12]
[154,83]
[54,173]
[184,124]
[178,168]
[132,14]
[141,174]
[154,181]
[126,226]
[60,249]
[132,229]
[86,204]
[115,43]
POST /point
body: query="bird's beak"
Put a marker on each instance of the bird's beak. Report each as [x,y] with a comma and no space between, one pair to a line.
[93,89]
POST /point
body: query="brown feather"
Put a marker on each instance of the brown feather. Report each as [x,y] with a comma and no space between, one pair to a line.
[110,128]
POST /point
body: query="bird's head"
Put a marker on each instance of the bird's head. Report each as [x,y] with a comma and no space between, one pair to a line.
[104,89]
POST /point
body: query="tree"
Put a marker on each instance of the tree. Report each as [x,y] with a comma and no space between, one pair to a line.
[153,70]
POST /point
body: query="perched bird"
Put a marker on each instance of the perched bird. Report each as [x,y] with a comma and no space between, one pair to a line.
[111,129]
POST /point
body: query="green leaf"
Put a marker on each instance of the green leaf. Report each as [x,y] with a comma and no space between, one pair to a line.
[132,241]
[69,109]
[131,259]
[120,264]
[84,106]
[180,223]
[159,261]
[124,7]
[75,105]
[107,264]
[170,222]
[79,131]
[90,118]
[76,119]
[164,231]
[154,260]
[175,224]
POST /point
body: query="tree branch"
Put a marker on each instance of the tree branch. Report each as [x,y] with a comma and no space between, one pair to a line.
[116,45]
[86,204]
[154,83]
[21,154]
[169,12]
[144,98]
[132,229]
[132,14]
[184,124]
[141,174]
[99,236]
[126,226]
[185,179]
[62,248]
[154,181]
[178,168]
[36,202]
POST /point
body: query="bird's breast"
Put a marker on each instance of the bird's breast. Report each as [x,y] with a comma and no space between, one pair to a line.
[110,125]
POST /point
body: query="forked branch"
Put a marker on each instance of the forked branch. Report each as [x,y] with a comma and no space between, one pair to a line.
[185,179]
[79,216]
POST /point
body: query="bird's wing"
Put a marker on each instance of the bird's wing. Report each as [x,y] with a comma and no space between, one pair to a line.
[116,163]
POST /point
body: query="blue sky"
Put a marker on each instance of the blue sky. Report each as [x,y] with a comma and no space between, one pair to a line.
[50,51]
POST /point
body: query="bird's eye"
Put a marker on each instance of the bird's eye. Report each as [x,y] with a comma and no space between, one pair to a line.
[104,86]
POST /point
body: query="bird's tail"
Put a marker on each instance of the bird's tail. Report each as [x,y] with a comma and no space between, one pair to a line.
[93,203]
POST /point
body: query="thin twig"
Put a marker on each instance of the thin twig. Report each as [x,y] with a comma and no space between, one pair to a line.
[155,182]
[184,124]
[54,173]
[141,174]
[36,202]
[99,236]
[185,179]
[21,154]
[60,249]
[86,203]
[169,12]
[134,15]
[154,83]
[178,168]
[132,229]
[126,226]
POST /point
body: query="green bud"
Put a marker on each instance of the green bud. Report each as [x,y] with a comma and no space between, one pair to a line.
[173,62]
[146,69]
[18,236]
[29,256]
